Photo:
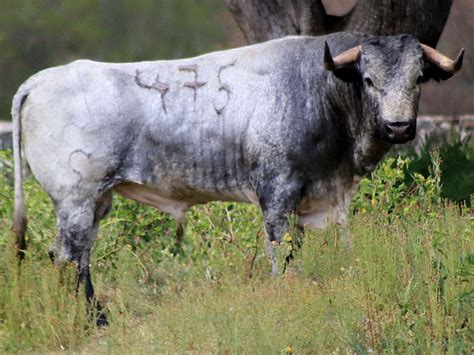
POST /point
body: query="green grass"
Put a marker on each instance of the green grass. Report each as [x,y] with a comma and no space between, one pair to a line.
[406,286]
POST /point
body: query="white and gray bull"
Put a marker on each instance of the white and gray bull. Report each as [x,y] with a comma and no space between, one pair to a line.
[281,124]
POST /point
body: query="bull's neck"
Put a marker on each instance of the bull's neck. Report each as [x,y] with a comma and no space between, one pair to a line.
[344,104]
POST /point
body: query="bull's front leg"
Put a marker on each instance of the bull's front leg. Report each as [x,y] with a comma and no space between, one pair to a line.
[279,197]
[296,244]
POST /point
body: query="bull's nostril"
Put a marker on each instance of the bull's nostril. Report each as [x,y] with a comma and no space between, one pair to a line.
[398,128]
[399,125]
[399,131]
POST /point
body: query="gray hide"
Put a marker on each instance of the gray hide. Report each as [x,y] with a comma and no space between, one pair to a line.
[265,124]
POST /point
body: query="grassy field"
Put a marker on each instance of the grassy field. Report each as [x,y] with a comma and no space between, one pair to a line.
[406,286]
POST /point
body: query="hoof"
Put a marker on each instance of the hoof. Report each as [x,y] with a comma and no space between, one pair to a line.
[100,317]
[101,321]
[51,255]
[177,250]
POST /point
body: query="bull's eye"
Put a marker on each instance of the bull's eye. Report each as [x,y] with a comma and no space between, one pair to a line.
[369,82]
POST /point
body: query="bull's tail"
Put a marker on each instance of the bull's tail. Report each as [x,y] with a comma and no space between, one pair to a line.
[19,215]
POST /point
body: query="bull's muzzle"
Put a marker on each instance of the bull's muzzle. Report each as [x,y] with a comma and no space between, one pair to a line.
[397,132]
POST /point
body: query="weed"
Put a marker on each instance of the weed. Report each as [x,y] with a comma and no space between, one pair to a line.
[406,286]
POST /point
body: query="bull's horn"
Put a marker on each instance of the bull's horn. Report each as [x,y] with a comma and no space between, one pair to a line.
[441,61]
[351,56]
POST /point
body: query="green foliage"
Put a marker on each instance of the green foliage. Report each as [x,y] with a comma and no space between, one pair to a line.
[399,184]
[389,191]
[406,286]
[38,34]
[456,165]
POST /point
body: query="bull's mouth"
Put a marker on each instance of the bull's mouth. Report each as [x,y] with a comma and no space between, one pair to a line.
[398,132]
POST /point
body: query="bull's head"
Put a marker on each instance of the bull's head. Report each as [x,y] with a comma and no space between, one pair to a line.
[390,71]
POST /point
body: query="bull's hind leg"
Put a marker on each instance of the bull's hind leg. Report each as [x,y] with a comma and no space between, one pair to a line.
[78,225]
[102,208]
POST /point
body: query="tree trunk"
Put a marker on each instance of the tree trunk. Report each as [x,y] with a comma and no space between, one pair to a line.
[261,20]
[423,18]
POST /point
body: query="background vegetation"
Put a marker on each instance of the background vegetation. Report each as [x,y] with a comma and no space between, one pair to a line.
[405,286]
[38,34]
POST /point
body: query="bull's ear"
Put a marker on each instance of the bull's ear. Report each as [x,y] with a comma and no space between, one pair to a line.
[432,72]
[345,65]
[439,67]
[348,73]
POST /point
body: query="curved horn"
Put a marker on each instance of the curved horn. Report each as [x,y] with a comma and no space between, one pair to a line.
[441,61]
[351,56]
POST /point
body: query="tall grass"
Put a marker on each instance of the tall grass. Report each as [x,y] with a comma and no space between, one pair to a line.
[405,286]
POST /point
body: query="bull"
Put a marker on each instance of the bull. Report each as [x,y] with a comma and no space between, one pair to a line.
[282,124]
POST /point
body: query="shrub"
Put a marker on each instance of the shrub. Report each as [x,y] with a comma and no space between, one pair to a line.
[456,166]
